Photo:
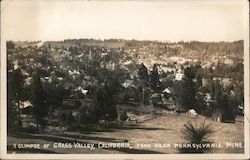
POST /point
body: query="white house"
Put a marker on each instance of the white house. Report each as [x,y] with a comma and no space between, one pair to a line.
[179,76]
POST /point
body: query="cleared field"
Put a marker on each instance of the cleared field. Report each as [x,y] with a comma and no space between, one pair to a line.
[158,135]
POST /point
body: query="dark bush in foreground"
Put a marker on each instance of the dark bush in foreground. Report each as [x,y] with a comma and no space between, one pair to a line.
[197,134]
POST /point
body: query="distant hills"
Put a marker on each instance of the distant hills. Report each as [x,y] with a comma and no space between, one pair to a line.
[191,49]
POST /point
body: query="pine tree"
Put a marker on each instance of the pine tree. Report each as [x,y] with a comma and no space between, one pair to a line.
[105,103]
[38,98]
[218,94]
[154,78]
[15,89]
[143,73]
[186,93]
[142,82]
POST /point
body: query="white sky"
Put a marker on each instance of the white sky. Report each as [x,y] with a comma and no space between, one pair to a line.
[143,20]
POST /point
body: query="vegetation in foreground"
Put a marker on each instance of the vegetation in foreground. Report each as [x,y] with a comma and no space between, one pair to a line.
[197,134]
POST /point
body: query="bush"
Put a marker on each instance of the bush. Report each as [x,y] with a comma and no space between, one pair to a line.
[30,129]
[198,134]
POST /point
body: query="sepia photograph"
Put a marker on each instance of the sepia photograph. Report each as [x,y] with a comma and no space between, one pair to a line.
[124,79]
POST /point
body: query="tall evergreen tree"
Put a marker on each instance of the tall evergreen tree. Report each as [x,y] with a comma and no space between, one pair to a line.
[186,94]
[142,82]
[218,94]
[105,103]
[39,101]
[15,89]
[154,78]
[143,73]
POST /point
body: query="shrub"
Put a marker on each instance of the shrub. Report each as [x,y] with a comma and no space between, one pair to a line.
[197,134]
[30,129]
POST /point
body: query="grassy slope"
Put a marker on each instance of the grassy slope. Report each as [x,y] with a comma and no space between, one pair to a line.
[165,129]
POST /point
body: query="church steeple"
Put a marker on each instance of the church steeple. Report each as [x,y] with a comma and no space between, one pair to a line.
[90,55]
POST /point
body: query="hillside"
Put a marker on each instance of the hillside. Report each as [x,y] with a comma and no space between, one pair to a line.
[192,48]
[161,130]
